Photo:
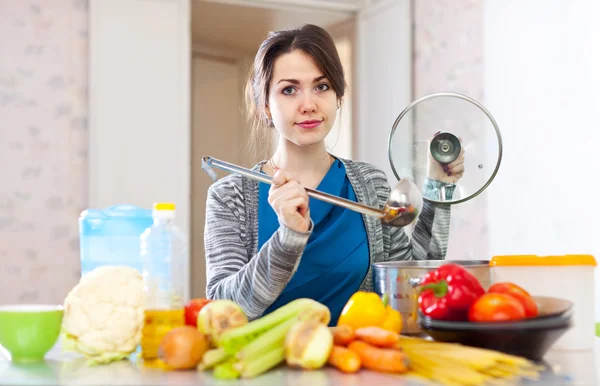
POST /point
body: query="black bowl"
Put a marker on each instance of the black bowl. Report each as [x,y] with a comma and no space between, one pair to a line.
[529,338]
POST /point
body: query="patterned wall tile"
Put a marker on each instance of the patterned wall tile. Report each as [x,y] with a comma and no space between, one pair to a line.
[448,56]
[43,152]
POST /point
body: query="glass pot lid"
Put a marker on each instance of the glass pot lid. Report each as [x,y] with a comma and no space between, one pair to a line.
[446,133]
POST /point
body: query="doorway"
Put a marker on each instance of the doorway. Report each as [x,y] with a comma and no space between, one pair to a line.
[225,38]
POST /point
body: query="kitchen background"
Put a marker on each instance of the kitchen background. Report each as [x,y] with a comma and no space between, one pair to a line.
[92,113]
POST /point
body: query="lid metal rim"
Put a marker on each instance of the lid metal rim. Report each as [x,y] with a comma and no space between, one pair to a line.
[430,263]
[460,96]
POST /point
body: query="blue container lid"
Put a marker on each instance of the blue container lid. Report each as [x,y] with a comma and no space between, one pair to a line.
[117,211]
[118,219]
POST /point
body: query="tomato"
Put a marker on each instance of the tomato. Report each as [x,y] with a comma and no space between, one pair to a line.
[192,308]
[531,309]
[493,307]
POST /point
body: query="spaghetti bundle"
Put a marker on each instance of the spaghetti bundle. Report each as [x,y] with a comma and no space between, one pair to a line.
[455,364]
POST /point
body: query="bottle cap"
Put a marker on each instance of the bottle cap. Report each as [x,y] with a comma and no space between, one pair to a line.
[164,206]
[164,210]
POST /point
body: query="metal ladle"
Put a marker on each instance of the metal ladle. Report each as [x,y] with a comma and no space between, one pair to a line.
[402,207]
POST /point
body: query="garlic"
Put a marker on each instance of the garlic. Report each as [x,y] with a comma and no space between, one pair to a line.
[308,344]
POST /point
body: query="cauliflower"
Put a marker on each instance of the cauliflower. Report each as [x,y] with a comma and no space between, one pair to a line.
[104,314]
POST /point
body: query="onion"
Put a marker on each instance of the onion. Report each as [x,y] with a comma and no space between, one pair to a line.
[219,316]
[182,348]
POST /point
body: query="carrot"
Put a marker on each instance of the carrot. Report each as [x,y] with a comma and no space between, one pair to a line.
[387,360]
[344,359]
[342,334]
[377,336]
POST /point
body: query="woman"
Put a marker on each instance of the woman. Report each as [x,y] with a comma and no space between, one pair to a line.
[268,244]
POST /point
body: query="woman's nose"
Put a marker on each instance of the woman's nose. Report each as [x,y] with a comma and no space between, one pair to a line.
[308,105]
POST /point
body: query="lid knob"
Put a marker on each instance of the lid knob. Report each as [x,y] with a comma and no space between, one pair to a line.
[445,148]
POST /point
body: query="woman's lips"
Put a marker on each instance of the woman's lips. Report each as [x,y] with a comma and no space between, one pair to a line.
[310,124]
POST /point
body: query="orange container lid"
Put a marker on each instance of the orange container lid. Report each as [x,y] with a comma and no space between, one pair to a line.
[535,260]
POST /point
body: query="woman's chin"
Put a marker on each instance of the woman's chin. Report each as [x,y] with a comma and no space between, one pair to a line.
[304,141]
[307,139]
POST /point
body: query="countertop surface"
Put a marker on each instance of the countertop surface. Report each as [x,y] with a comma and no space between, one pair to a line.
[564,368]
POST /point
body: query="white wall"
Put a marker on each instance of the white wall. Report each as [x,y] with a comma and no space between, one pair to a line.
[139,109]
[383,64]
[542,83]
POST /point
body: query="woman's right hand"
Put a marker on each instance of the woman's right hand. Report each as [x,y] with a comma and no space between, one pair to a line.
[289,200]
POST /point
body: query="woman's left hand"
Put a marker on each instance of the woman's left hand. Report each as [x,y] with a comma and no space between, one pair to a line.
[449,173]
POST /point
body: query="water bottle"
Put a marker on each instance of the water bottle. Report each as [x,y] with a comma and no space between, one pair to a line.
[163,248]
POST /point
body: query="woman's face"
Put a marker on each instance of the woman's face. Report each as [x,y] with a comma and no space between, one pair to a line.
[301,101]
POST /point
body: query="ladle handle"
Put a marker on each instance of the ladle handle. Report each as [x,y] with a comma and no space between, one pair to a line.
[331,199]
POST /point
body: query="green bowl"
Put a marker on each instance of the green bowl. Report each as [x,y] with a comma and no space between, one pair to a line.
[29,331]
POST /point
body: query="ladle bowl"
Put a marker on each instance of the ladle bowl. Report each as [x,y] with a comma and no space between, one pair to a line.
[403,206]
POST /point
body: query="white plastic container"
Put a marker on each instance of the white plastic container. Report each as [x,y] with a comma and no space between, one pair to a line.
[568,277]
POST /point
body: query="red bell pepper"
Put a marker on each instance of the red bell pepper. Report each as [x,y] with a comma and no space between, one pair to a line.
[447,292]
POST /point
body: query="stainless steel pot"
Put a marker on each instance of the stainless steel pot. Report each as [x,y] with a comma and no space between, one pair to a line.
[396,279]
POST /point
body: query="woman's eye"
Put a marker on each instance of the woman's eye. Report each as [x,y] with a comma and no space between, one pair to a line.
[323,87]
[288,90]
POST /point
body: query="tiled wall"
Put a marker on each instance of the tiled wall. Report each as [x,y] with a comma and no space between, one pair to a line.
[449,57]
[449,47]
[43,146]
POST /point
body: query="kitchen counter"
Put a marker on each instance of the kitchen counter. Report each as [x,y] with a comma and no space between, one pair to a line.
[565,368]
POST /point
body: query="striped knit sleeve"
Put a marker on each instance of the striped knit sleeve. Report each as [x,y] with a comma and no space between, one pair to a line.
[253,282]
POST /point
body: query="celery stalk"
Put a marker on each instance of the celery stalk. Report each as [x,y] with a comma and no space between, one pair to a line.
[226,370]
[259,351]
[263,363]
[233,340]
[266,341]
[211,358]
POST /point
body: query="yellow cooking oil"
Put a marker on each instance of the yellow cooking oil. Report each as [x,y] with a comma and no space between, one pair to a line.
[157,323]
[163,255]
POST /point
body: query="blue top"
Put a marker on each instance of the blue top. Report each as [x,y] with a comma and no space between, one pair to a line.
[336,258]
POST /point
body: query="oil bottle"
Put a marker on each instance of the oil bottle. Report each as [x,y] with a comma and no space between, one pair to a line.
[163,248]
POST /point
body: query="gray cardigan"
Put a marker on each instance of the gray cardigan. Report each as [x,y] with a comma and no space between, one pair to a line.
[254,279]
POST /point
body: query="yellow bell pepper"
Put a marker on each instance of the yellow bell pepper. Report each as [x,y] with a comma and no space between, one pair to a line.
[366,309]
[392,321]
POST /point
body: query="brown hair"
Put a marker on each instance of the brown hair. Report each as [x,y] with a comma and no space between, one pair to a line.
[310,39]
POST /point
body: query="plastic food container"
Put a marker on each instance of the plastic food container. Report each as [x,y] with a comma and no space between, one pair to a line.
[568,277]
[111,236]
